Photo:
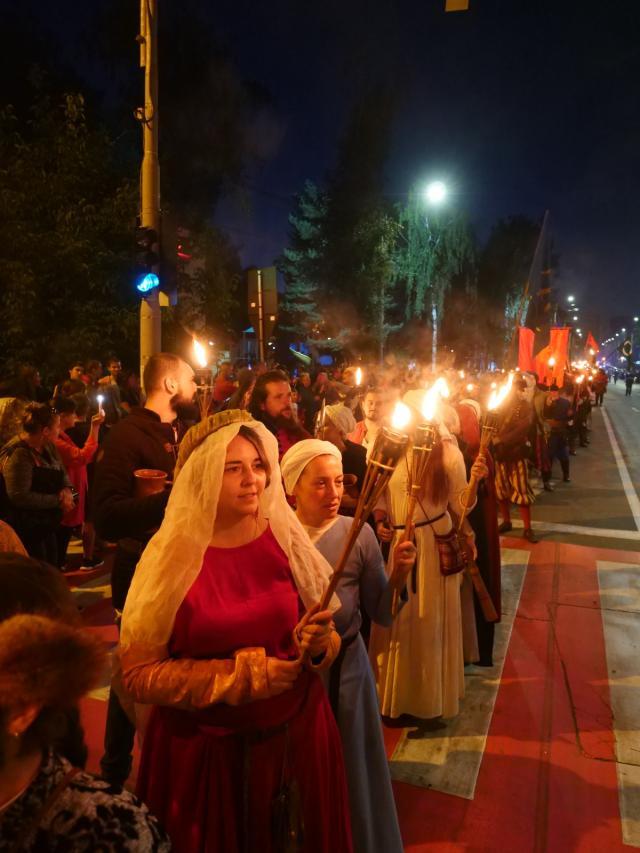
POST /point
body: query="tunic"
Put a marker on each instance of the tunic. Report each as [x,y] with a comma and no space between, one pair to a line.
[418,662]
[211,776]
[374,822]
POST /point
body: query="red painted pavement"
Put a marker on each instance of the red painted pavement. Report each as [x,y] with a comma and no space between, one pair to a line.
[548,778]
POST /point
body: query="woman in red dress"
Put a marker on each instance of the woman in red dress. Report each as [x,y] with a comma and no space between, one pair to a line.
[241,751]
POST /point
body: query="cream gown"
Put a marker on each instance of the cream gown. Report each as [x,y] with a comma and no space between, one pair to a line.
[418,662]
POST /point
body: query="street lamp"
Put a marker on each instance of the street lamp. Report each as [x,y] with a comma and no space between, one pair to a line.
[635,319]
[435,192]
[571,299]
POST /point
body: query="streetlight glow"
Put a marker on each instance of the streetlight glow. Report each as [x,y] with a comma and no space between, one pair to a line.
[571,299]
[435,192]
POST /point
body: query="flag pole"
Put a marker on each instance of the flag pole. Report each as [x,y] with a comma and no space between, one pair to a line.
[511,359]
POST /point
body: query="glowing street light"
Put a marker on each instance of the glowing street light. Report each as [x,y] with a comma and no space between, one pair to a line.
[635,319]
[571,299]
[436,192]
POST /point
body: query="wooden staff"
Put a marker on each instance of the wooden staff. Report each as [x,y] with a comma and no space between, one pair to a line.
[423,444]
[469,495]
[389,447]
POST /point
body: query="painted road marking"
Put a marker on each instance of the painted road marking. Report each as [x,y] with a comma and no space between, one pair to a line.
[630,492]
[620,602]
[579,530]
[449,759]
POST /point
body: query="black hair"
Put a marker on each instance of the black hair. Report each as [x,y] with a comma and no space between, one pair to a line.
[64,405]
[37,416]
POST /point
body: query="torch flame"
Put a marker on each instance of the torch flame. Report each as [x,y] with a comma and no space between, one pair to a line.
[359,376]
[498,396]
[199,353]
[430,400]
[401,417]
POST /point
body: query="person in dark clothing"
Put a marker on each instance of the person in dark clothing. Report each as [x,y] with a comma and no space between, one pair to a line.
[36,489]
[558,413]
[483,519]
[338,423]
[240,398]
[271,405]
[307,406]
[628,384]
[147,438]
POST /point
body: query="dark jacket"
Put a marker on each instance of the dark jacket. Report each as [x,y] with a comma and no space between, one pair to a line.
[286,434]
[512,441]
[21,465]
[141,440]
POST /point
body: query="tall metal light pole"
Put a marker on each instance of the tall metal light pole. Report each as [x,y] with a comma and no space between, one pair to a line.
[150,340]
[435,193]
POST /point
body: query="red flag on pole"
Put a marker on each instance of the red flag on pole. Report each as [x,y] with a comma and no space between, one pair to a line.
[552,360]
[526,338]
[591,345]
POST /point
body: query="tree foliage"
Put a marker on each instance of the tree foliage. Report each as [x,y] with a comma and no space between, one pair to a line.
[303,267]
[67,213]
[433,250]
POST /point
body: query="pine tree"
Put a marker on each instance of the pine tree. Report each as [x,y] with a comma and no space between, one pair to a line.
[302,265]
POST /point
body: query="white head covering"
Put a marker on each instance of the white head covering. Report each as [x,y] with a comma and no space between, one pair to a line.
[173,558]
[298,456]
[341,416]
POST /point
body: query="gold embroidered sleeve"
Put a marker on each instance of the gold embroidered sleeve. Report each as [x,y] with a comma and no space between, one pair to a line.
[192,684]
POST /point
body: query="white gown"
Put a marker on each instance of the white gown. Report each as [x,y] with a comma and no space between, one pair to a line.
[418,662]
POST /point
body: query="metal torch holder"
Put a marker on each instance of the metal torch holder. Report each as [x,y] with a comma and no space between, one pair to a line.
[204,390]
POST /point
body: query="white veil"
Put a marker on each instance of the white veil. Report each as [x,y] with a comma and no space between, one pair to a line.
[173,558]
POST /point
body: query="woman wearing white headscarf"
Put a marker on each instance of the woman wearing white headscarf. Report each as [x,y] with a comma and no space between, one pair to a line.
[312,472]
[241,751]
[418,661]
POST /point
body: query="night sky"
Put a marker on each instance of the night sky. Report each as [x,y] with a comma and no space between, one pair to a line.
[519,106]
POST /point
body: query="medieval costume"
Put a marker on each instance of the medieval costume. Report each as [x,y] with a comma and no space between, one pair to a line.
[418,662]
[350,683]
[512,451]
[227,766]
[483,519]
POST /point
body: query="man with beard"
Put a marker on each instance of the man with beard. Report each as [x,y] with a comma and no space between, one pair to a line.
[147,438]
[271,405]
[366,430]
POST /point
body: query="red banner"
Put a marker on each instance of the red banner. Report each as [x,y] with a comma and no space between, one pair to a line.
[558,354]
[526,361]
[591,345]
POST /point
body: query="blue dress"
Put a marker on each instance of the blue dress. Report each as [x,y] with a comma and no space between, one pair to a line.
[374,822]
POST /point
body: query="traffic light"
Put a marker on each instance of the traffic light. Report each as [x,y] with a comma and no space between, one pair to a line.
[146,259]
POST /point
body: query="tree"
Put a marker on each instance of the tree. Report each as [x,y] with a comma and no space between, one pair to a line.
[378,232]
[303,267]
[208,284]
[432,250]
[503,270]
[67,213]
